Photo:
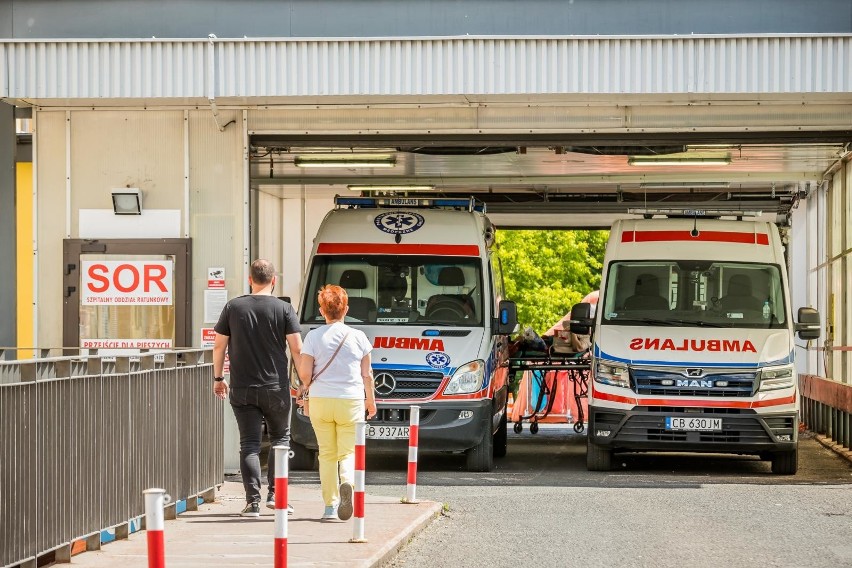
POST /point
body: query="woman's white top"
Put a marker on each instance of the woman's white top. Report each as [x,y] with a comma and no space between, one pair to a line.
[342,378]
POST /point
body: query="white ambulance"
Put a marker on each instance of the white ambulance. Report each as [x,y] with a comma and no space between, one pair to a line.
[694,341]
[426,288]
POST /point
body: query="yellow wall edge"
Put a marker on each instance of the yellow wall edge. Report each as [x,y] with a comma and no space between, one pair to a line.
[24,264]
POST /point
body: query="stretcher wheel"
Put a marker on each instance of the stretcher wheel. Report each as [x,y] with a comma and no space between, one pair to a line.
[534,428]
[518,427]
[579,427]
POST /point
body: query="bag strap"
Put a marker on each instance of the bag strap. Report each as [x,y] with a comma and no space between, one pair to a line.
[336,351]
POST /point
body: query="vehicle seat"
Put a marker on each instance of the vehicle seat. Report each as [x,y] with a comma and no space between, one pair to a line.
[360,308]
[646,295]
[450,307]
[738,295]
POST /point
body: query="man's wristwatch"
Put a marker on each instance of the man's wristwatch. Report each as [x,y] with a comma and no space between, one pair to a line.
[218,379]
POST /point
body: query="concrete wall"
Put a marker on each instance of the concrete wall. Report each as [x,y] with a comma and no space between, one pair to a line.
[377,18]
[8,237]
[151,150]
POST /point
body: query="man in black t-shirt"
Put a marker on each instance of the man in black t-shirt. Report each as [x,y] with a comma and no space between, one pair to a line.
[254,328]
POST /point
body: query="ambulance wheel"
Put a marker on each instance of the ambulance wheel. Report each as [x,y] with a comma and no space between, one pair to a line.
[481,457]
[501,437]
[303,459]
[785,463]
[518,427]
[598,458]
[534,428]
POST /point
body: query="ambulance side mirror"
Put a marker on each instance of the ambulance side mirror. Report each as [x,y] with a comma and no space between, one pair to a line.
[808,326]
[507,318]
[581,319]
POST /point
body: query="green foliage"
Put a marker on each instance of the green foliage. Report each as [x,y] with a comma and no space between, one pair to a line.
[547,272]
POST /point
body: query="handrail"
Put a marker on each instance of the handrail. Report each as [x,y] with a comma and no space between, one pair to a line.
[97,431]
[827,408]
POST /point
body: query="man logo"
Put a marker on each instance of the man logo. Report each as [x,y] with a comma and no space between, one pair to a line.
[692,383]
[384,384]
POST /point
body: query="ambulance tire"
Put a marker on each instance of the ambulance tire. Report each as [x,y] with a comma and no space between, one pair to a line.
[598,458]
[481,457]
[501,437]
[303,459]
[785,463]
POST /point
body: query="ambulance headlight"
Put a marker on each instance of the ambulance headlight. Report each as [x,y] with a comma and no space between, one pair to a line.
[774,378]
[612,373]
[467,378]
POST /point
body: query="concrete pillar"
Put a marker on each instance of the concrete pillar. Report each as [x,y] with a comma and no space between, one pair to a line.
[8,238]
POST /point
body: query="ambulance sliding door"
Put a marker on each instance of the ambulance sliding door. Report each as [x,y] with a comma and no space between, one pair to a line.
[123,295]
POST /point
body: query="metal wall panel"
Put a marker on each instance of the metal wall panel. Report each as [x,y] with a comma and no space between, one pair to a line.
[154,69]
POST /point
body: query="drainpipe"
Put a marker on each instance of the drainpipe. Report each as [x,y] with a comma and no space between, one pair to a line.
[211,80]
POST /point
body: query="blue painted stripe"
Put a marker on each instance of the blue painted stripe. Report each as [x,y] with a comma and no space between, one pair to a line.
[603,355]
[392,366]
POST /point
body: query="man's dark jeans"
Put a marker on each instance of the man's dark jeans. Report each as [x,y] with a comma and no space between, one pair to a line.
[251,406]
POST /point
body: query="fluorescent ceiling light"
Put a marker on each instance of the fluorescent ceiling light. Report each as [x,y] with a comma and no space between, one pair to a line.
[391,187]
[686,184]
[678,161]
[345,161]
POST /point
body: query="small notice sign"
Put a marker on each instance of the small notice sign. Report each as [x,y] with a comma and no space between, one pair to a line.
[216,277]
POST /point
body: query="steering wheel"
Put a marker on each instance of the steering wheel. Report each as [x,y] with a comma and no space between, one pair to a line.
[453,311]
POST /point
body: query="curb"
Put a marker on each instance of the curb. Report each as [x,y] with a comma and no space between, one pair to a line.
[838,449]
[393,546]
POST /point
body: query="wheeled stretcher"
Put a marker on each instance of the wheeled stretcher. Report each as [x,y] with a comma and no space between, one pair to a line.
[553,389]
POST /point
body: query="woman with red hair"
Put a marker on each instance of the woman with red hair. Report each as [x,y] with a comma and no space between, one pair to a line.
[336,367]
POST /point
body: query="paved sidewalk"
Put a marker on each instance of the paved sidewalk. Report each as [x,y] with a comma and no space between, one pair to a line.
[215,535]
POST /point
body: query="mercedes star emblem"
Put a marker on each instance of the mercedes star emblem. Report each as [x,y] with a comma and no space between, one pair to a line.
[384,384]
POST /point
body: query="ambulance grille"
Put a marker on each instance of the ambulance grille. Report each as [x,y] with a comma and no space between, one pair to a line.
[651,382]
[410,384]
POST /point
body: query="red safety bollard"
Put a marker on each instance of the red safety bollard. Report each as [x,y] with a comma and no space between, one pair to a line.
[360,468]
[413,435]
[282,471]
[155,500]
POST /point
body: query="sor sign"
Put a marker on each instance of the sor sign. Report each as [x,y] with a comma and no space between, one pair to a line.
[127,282]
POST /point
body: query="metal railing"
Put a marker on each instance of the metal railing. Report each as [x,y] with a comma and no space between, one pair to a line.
[82,437]
[826,408]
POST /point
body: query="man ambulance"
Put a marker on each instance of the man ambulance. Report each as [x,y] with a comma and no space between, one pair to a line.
[694,341]
[426,288]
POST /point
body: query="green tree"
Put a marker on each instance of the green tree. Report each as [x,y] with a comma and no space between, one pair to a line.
[547,272]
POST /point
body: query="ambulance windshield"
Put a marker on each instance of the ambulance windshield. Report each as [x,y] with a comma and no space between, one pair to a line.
[400,290]
[694,293]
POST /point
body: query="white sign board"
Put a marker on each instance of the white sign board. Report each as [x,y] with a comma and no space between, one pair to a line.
[127,282]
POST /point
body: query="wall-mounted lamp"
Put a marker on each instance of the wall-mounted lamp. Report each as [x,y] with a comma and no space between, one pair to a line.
[127,201]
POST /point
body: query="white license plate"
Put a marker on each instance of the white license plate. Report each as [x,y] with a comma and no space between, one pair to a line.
[694,424]
[386,432]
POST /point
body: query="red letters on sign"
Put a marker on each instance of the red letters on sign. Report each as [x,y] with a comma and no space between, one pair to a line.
[126,278]
[96,273]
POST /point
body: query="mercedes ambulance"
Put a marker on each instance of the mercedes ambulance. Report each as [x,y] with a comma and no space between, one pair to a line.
[425,286]
[694,341]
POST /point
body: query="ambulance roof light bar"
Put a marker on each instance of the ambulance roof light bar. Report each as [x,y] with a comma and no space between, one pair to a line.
[470,204]
[673,212]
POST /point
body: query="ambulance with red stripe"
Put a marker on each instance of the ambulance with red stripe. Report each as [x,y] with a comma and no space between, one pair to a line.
[694,341]
[425,286]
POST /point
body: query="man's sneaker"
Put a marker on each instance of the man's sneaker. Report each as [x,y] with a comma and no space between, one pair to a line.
[251,510]
[270,503]
[330,513]
[344,509]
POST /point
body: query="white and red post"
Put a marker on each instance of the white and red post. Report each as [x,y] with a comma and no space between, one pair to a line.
[155,501]
[282,472]
[360,468]
[413,436]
